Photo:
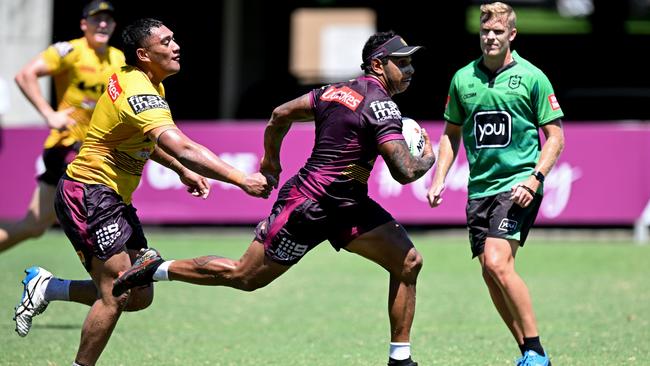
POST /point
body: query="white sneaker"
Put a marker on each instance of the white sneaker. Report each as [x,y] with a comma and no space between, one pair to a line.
[33,301]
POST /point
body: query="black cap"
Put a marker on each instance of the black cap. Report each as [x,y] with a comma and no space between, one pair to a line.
[95,7]
[395,46]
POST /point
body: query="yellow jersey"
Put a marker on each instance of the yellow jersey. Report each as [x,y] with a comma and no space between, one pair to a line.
[80,77]
[116,145]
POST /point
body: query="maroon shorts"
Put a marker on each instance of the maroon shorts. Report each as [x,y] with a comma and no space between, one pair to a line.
[96,220]
[56,160]
[298,224]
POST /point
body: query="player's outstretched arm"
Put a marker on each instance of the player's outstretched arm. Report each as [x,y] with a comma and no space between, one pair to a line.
[204,162]
[197,185]
[403,166]
[296,110]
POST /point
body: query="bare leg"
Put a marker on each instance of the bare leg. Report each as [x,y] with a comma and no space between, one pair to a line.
[498,261]
[40,216]
[389,246]
[106,310]
[502,307]
[85,292]
[252,271]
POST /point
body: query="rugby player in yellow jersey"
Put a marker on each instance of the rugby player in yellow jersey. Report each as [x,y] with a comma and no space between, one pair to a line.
[80,69]
[131,124]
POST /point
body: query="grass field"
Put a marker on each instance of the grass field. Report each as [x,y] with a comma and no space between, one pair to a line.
[592,302]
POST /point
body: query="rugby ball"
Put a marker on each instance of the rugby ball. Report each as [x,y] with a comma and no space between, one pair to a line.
[413,135]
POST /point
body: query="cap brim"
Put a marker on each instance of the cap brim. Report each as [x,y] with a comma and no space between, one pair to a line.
[405,51]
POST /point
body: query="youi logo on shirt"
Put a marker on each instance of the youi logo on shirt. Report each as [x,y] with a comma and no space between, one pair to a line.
[492,129]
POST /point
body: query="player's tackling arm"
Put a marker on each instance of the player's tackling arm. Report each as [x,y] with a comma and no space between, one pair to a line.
[403,166]
[197,185]
[204,162]
[296,110]
[447,152]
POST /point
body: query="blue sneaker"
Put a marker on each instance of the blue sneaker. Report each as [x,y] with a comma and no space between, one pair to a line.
[32,302]
[532,358]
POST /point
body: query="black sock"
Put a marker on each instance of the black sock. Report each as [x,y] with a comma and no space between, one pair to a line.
[533,344]
[522,349]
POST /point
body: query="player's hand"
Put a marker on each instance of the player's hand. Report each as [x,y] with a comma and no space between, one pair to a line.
[60,120]
[428,148]
[197,185]
[271,169]
[257,185]
[434,195]
[523,193]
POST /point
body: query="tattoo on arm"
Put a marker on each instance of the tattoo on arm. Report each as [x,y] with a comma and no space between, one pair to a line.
[403,166]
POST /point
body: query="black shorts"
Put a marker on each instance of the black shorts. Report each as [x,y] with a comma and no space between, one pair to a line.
[56,160]
[298,224]
[498,217]
[96,220]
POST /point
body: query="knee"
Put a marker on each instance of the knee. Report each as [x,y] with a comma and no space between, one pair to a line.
[37,229]
[250,284]
[139,299]
[411,266]
[494,269]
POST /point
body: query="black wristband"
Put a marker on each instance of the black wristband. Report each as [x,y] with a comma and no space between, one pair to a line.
[538,175]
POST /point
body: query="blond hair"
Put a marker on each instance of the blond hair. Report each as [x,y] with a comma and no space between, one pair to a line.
[498,10]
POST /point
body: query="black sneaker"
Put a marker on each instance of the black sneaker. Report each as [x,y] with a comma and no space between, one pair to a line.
[140,274]
[407,362]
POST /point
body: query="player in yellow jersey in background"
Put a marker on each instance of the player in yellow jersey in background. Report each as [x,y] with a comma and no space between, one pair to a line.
[80,69]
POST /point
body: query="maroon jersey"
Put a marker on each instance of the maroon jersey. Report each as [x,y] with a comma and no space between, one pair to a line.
[352,119]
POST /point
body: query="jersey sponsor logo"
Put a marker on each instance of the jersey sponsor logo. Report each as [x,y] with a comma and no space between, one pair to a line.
[342,95]
[114,88]
[508,225]
[144,102]
[555,105]
[385,109]
[63,48]
[514,82]
[492,129]
[469,95]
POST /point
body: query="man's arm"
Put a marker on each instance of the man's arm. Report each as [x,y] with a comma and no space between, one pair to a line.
[403,166]
[447,152]
[27,81]
[296,110]
[552,147]
[204,162]
[197,185]
[550,153]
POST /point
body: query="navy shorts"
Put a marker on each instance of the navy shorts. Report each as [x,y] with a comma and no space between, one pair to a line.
[499,217]
[96,220]
[298,224]
[56,160]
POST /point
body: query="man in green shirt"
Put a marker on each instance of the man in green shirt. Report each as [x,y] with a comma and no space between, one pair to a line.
[498,103]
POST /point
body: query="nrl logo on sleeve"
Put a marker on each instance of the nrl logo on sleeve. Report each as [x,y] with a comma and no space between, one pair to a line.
[144,102]
[342,95]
